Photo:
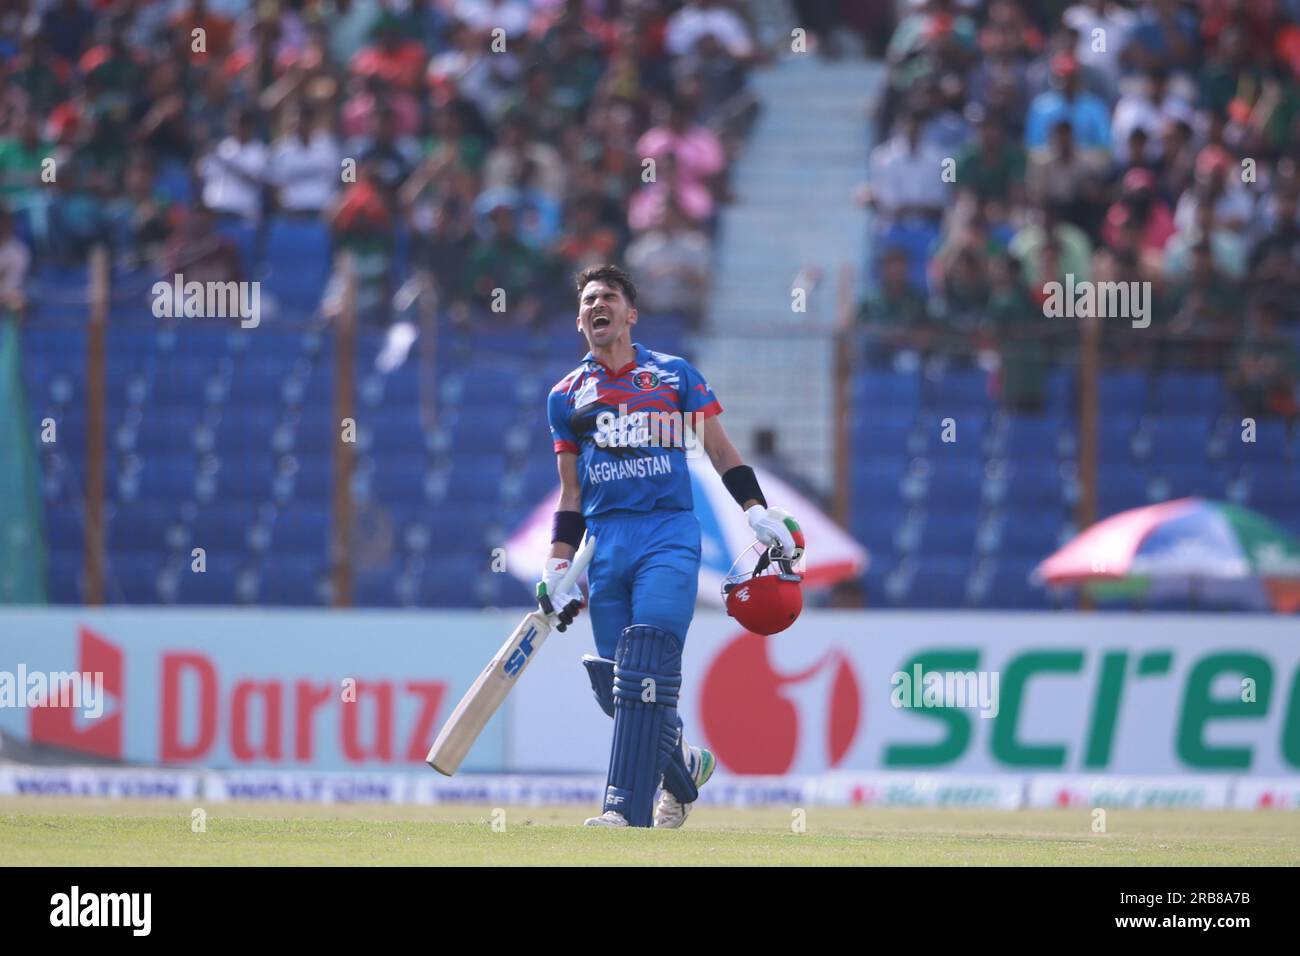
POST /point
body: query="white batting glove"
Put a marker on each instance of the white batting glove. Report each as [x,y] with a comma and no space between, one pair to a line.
[773,528]
[565,604]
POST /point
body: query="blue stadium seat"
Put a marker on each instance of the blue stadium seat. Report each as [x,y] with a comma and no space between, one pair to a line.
[222,526]
[245,433]
[174,183]
[1060,392]
[449,580]
[257,385]
[478,435]
[940,582]
[313,480]
[374,588]
[132,577]
[140,527]
[64,576]
[1179,438]
[876,478]
[244,236]
[169,478]
[875,527]
[540,476]
[892,394]
[1122,394]
[298,261]
[301,528]
[1275,488]
[915,239]
[1115,436]
[955,483]
[958,391]
[291,579]
[393,437]
[1030,534]
[452,525]
[245,478]
[489,387]
[475,479]
[1032,437]
[1190,393]
[65,528]
[1119,487]
[1194,476]
[949,533]
[1033,483]
[1010,588]
[879,434]
[400,478]
[214,586]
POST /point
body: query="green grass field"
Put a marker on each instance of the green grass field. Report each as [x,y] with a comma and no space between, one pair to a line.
[53,831]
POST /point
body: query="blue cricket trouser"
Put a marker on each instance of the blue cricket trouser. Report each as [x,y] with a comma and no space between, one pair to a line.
[646,570]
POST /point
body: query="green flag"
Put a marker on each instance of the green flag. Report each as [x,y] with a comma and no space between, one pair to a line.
[22,526]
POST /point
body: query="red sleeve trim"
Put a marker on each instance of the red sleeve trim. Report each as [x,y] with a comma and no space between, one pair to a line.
[709,410]
[562,445]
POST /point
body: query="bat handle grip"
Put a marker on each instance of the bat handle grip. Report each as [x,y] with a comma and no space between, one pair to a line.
[579,564]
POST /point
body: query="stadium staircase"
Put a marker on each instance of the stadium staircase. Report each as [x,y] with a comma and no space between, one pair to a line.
[807,152]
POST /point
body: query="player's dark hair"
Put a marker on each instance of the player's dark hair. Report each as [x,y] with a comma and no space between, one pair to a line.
[607,273]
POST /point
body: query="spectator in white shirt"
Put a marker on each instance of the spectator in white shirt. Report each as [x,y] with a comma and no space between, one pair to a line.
[1231,203]
[516,146]
[235,172]
[906,175]
[701,18]
[305,163]
[1150,109]
[1103,27]
[672,265]
[513,16]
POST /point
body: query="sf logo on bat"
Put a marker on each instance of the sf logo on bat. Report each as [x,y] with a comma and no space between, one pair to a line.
[520,657]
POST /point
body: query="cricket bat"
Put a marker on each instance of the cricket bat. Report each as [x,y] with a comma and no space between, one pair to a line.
[485,695]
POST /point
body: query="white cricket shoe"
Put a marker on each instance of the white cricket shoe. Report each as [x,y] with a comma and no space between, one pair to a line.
[671,812]
[610,818]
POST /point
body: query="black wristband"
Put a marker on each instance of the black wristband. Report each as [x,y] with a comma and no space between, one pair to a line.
[743,485]
[568,527]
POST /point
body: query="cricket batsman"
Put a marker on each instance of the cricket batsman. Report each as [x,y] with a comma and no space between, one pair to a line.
[622,423]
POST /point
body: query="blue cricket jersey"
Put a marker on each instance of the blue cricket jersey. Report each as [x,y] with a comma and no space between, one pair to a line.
[627,429]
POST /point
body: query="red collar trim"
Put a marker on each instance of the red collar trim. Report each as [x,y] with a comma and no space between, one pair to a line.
[625,369]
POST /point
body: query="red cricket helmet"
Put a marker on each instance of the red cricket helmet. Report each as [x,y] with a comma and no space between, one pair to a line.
[768,599]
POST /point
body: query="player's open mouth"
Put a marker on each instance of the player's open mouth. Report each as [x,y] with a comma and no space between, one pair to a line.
[600,322]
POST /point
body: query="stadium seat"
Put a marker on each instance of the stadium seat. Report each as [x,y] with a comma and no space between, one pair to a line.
[289,578]
[878,394]
[301,528]
[940,582]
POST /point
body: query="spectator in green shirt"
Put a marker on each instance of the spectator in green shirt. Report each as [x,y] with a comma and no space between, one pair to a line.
[22,152]
[893,316]
[503,261]
[993,167]
[1265,367]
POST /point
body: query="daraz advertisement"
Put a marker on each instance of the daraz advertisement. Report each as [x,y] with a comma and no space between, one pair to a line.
[969,693]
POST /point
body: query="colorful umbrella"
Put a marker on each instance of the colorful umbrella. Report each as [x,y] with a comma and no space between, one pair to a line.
[1208,549]
[833,555]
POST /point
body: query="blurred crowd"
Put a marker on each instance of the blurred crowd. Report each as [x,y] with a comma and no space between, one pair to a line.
[1151,141]
[494,144]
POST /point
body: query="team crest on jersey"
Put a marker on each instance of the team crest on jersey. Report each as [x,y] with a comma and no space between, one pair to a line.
[645,380]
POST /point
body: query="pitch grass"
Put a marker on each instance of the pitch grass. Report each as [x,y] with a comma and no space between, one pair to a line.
[87,832]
